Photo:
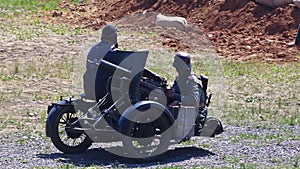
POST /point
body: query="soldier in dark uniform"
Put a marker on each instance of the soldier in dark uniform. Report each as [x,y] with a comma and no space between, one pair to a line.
[95,83]
[187,89]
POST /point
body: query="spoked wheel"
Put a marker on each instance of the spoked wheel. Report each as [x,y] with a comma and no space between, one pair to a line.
[146,148]
[64,137]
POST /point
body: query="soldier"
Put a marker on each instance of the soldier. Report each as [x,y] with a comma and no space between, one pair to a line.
[187,89]
[109,41]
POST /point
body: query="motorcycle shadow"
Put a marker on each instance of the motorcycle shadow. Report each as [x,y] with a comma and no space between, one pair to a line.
[102,157]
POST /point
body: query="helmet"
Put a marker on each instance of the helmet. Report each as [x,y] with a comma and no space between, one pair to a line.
[109,34]
[181,59]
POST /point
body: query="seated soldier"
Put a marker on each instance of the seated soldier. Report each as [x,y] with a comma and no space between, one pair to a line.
[187,89]
[96,53]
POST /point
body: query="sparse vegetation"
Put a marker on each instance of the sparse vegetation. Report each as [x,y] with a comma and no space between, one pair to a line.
[39,67]
[261,92]
[21,6]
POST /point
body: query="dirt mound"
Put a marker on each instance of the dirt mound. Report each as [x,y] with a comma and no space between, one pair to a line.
[240,30]
[244,30]
[191,40]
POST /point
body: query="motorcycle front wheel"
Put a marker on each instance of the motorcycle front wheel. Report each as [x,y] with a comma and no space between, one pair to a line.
[65,139]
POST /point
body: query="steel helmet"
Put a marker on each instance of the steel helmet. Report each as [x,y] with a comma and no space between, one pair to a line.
[109,34]
[181,59]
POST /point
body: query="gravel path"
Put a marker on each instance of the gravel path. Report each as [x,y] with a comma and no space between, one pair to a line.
[236,147]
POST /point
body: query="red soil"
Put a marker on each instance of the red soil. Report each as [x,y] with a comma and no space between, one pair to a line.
[240,30]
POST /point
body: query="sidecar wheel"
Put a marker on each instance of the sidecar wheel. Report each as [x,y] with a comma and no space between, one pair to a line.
[66,141]
[146,149]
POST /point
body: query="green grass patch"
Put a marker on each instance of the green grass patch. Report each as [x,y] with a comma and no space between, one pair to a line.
[173,167]
[262,92]
[78,1]
[30,28]
[268,72]
[188,143]
[19,6]
[270,137]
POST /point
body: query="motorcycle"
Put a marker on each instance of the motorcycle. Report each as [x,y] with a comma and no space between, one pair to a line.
[134,111]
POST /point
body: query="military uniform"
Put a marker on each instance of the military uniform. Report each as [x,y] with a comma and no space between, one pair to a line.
[189,92]
[186,91]
[95,87]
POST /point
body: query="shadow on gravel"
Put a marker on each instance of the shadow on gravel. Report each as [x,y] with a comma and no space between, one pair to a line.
[101,157]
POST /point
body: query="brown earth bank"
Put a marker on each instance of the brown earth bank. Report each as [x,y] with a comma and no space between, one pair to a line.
[240,30]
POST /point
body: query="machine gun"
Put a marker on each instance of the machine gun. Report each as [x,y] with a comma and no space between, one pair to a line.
[151,81]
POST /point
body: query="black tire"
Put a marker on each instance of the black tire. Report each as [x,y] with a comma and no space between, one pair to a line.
[66,142]
[146,149]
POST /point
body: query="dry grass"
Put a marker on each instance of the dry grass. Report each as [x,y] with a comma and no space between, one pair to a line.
[40,62]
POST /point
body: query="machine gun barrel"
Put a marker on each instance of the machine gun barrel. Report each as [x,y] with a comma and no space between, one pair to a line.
[112,67]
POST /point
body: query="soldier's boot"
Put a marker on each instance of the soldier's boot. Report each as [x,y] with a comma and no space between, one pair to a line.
[212,127]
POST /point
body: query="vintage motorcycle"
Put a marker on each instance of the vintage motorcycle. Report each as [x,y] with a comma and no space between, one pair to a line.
[133,112]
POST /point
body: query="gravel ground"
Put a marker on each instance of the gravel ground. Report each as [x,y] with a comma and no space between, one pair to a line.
[236,147]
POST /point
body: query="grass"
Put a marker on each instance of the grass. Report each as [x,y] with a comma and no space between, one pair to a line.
[268,72]
[260,92]
[40,70]
[234,166]
[265,138]
[188,143]
[11,8]
[23,74]
[18,6]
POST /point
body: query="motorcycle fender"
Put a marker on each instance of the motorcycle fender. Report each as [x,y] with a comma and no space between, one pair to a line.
[125,124]
[53,111]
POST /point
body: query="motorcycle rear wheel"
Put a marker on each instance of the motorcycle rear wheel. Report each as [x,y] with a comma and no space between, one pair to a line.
[67,141]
